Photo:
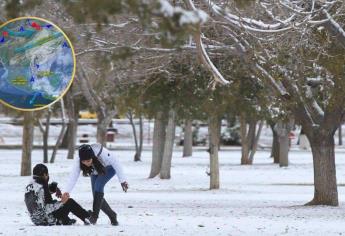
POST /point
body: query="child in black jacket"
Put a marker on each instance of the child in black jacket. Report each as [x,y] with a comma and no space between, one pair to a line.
[43,209]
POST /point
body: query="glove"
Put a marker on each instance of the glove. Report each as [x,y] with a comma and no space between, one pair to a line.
[58,193]
[53,187]
[124,186]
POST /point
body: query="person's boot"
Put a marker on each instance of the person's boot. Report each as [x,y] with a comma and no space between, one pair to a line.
[87,219]
[66,221]
[97,203]
[71,222]
[110,213]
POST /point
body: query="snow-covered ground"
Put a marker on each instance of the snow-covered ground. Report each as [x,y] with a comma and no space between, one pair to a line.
[262,199]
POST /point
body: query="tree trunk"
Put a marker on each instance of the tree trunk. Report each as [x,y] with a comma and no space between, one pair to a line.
[244,140]
[72,133]
[247,139]
[28,138]
[158,144]
[101,130]
[340,136]
[214,124]
[255,141]
[275,146]
[70,139]
[141,138]
[325,181]
[283,129]
[104,120]
[62,133]
[149,132]
[105,113]
[188,139]
[168,146]
[130,117]
[46,136]
[284,150]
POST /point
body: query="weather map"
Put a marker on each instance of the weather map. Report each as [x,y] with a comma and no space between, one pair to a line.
[37,63]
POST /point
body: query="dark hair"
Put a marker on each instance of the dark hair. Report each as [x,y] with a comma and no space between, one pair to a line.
[86,153]
[96,164]
[40,170]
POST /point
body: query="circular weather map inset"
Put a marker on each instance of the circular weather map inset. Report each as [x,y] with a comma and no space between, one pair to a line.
[37,63]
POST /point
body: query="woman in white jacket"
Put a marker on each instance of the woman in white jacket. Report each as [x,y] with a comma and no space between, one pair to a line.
[97,162]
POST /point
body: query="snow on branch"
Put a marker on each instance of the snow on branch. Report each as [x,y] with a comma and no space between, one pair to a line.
[297,14]
[249,23]
[196,16]
[335,24]
[278,87]
[206,61]
[86,88]
[312,104]
[148,49]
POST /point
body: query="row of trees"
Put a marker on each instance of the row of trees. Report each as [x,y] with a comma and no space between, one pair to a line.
[278,61]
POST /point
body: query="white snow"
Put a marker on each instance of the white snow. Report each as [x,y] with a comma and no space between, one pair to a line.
[186,17]
[262,199]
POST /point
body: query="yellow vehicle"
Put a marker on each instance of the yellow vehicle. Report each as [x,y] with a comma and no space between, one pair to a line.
[87,115]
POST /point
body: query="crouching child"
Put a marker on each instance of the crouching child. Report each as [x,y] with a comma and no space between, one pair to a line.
[43,209]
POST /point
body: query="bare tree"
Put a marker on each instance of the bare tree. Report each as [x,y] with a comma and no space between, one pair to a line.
[249,138]
[188,138]
[168,145]
[159,134]
[45,133]
[73,118]
[105,113]
[282,129]
[275,145]
[340,136]
[28,138]
[214,125]
[138,145]
[62,132]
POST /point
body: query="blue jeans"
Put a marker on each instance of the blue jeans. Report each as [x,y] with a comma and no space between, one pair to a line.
[99,181]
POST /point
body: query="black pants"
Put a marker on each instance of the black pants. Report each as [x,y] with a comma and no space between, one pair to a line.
[70,206]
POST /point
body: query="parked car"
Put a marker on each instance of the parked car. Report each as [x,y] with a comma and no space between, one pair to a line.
[87,115]
[200,135]
[230,136]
